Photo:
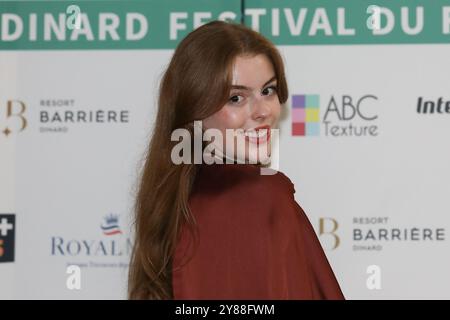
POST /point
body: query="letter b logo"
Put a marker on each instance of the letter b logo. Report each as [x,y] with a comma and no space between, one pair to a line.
[329,226]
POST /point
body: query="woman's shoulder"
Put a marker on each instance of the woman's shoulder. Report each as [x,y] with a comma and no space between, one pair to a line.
[240,197]
[248,179]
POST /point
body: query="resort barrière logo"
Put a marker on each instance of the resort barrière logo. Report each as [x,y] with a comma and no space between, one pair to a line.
[58,115]
[12,117]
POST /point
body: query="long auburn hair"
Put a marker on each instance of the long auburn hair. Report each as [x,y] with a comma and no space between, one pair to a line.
[195,85]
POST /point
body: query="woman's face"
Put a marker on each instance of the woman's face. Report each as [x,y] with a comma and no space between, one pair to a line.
[253,103]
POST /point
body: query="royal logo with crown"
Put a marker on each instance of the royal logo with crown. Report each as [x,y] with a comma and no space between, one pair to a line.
[110,225]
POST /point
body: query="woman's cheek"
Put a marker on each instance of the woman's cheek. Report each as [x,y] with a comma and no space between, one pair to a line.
[233,117]
[276,110]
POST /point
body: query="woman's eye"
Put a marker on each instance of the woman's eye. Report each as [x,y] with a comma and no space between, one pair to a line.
[273,88]
[235,99]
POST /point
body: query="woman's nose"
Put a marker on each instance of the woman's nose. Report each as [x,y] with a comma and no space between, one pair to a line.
[260,109]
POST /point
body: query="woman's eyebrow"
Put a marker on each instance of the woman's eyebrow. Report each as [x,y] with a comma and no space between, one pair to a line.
[238,86]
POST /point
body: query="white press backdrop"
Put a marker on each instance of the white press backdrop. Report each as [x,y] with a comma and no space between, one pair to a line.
[70,185]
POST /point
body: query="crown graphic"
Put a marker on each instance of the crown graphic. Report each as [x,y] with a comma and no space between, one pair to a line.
[112,219]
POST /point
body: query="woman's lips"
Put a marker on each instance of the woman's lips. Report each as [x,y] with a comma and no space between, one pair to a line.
[258,135]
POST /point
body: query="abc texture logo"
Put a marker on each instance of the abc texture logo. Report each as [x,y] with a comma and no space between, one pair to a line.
[7,236]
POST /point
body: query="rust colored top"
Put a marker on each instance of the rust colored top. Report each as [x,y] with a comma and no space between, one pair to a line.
[255,241]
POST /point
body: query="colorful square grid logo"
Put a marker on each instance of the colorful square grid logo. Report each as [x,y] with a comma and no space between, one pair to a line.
[305,115]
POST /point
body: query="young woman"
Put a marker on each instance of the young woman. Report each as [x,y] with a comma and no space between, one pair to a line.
[223,231]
